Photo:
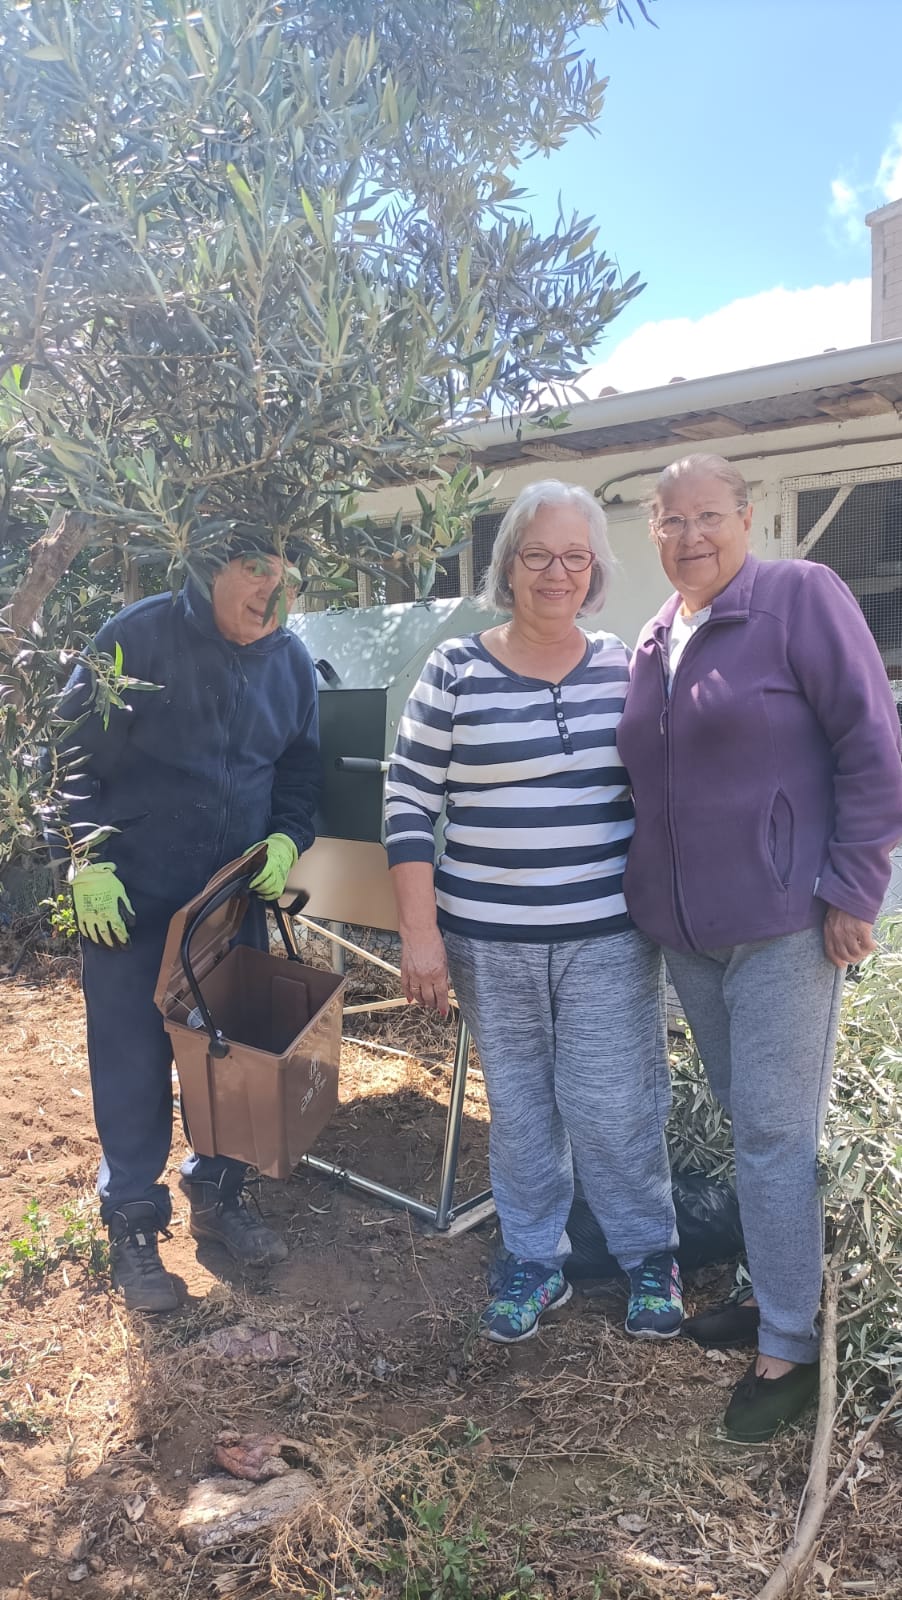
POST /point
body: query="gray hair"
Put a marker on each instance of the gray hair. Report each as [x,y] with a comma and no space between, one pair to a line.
[701,466]
[496,590]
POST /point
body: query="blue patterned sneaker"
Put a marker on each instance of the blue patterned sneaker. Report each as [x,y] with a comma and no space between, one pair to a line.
[522,1291]
[656,1298]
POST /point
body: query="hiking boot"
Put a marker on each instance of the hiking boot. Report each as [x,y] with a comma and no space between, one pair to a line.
[135,1265]
[655,1308]
[760,1407]
[522,1291]
[726,1326]
[220,1215]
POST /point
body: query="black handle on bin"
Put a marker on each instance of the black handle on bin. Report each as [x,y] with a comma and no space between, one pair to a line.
[282,915]
[360,764]
[291,910]
[218,1046]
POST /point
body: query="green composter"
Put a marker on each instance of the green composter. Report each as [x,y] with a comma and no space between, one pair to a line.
[368,661]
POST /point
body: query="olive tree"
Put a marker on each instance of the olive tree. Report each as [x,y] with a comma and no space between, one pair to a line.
[258,259]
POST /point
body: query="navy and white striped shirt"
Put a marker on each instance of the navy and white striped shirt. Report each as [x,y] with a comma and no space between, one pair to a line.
[539,811]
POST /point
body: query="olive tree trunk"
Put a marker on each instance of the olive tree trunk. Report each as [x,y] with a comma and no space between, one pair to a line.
[51,556]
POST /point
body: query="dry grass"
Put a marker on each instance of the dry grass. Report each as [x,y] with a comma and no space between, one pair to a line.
[584,1470]
[580,1466]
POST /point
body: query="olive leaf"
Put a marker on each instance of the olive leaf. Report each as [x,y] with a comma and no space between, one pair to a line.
[257,264]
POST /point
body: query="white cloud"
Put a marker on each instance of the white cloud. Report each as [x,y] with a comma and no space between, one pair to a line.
[889,172]
[849,202]
[777,325]
[846,208]
[844,197]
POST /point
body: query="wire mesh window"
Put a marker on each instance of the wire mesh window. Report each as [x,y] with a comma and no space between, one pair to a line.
[484,531]
[448,574]
[861,539]
[400,585]
[447,579]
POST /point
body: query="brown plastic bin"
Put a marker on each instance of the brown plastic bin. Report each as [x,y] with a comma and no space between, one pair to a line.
[256,1039]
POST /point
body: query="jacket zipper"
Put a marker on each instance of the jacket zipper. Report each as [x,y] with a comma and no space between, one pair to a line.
[679,904]
[678,907]
[240,682]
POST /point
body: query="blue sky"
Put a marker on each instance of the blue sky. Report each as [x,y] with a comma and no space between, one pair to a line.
[740,146]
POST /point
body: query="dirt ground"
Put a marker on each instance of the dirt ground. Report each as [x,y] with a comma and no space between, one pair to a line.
[579,1464]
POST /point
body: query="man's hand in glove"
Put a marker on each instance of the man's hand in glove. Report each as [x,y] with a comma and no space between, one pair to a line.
[103,911]
[281,855]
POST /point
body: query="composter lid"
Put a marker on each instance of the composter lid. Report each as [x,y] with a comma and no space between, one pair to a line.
[214,935]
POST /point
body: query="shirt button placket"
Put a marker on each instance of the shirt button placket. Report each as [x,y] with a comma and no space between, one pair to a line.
[563,730]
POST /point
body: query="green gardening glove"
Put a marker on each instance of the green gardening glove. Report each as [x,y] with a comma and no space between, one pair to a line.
[103,910]
[281,855]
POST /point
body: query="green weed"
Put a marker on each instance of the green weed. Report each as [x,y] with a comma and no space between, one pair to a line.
[437,1565]
[80,1240]
[22,1422]
[61,916]
[40,1249]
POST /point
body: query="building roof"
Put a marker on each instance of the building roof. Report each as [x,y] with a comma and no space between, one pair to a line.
[839,385]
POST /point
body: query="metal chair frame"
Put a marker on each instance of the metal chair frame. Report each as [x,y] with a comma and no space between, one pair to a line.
[444,1216]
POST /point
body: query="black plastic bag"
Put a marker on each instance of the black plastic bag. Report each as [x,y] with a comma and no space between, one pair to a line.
[707,1214]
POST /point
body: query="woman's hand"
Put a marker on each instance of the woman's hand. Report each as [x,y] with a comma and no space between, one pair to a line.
[424,969]
[846,938]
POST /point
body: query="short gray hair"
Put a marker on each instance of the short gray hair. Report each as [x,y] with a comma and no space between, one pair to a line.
[701,466]
[496,590]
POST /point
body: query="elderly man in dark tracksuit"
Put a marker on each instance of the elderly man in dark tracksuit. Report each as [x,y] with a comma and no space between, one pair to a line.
[221,756]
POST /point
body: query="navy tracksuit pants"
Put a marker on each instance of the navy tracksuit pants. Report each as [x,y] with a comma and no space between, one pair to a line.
[130,1057]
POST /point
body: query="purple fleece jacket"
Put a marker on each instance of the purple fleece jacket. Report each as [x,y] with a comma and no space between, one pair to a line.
[770,781]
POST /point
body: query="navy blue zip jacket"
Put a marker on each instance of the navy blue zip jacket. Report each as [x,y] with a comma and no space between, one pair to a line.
[195,772]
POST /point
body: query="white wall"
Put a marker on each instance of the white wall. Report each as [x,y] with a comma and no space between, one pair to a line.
[766,459]
[886,271]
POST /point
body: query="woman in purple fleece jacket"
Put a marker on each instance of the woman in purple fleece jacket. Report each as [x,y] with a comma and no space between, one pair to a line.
[762,744]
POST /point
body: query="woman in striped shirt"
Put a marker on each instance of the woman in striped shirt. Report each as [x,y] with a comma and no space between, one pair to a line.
[514,731]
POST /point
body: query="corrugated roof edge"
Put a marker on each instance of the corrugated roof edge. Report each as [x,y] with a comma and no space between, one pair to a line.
[857,365]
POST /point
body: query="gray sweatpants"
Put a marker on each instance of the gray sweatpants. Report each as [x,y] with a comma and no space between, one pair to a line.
[572,1042]
[764,1017]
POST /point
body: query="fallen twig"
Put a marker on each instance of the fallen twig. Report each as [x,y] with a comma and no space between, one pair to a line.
[816,1497]
[800,1549]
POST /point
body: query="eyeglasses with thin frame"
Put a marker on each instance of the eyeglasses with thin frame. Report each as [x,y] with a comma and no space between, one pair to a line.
[537,560]
[253,568]
[708,522]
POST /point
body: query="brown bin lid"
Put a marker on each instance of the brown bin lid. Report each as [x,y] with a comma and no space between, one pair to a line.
[213,937]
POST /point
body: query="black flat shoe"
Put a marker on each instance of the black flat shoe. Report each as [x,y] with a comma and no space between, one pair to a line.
[732,1324]
[760,1407]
